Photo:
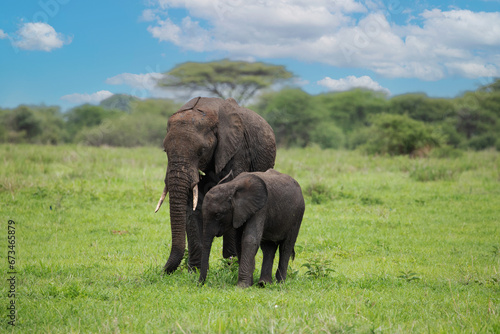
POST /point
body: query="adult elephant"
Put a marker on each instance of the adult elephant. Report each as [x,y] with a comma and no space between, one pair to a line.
[206,140]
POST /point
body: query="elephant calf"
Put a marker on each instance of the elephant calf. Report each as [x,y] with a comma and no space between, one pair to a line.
[265,208]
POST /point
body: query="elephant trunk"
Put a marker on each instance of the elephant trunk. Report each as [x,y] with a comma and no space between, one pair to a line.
[179,187]
[207,246]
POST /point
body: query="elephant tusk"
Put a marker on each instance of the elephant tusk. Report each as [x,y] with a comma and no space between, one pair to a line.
[201,172]
[195,196]
[162,198]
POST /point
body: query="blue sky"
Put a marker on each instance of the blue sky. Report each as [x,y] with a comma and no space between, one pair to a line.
[68,52]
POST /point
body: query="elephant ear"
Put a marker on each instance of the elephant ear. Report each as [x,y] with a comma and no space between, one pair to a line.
[230,134]
[249,197]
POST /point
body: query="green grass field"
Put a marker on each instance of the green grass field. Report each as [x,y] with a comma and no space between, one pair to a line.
[392,245]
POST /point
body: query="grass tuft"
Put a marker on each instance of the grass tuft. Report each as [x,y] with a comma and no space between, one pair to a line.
[424,173]
[318,193]
[409,276]
[318,268]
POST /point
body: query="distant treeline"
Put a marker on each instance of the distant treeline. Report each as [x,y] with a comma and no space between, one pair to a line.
[368,120]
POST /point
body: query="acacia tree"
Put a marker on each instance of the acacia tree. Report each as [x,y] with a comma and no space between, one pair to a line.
[240,80]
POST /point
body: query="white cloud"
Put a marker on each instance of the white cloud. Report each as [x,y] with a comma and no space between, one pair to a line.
[473,70]
[463,28]
[93,98]
[148,15]
[189,35]
[166,31]
[344,33]
[142,85]
[3,35]
[139,81]
[351,82]
[39,36]
[236,23]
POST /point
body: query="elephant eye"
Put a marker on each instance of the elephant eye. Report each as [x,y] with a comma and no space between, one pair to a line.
[200,152]
[218,216]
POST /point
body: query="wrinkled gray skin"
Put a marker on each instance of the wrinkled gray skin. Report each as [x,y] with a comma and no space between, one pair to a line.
[264,208]
[216,137]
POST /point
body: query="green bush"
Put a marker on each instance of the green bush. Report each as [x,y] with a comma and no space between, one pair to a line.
[328,135]
[446,152]
[398,135]
[128,131]
[452,137]
[121,102]
[358,137]
[32,124]
[421,107]
[24,120]
[351,109]
[88,116]
[482,142]
[291,113]
[3,133]
[162,107]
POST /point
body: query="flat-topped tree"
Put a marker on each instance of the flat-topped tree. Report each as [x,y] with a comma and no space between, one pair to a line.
[225,78]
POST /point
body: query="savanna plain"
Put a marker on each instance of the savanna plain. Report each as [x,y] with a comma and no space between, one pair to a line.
[387,244]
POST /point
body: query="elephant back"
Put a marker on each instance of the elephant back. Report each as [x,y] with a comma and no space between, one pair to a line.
[261,140]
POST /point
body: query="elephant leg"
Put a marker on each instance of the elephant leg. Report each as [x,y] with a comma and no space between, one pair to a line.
[269,251]
[229,243]
[238,236]
[193,231]
[286,250]
[249,248]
